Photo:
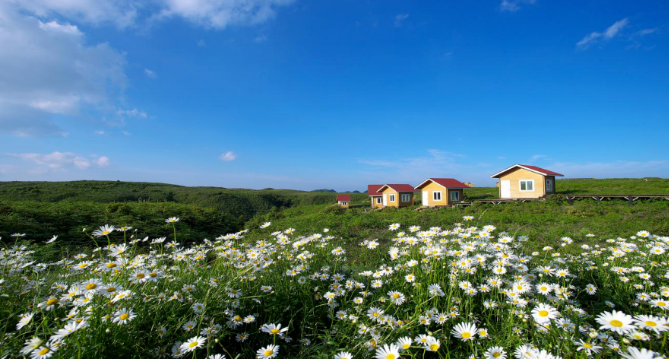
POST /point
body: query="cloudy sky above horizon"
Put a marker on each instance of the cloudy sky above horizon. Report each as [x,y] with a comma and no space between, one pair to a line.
[331,94]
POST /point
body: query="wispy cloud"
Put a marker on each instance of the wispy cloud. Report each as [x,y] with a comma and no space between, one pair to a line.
[61,161]
[260,38]
[99,132]
[600,37]
[513,5]
[537,157]
[399,19]
[150,73]
[228,156]
[201,43]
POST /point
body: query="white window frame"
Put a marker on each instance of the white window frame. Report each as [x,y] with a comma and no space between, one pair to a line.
[379,200]
[391,198]
[343,202]
[520,185]
[406,198]
[457,193]
[550,188]
[434,196]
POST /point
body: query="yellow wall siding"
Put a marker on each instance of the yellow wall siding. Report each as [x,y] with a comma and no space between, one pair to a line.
[432,187]
[344,204]
[518,174]
[374,204]
[396,203]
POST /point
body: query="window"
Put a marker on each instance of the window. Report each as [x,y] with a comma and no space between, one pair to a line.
[406,198]
[379,200]
[436,195]
[455,195]
[392,198]
[344,203]
[549,185]
[527,185]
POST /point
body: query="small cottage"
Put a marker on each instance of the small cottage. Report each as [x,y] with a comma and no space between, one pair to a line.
[441,191]
[525,181]
[396,195]
[344,200]
[376,198]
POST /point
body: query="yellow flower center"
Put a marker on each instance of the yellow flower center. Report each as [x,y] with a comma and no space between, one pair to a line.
[274,331]
[111,289]
[52,301]
[497,354]
[140,275]
[616,323]
[111,265]
[124,316]
[269,352]
[193,344]
[543,313]
[434,347]
[44,351]
[650,323]
[586,345]
[466,335]
[406,346]
[91,286]
[106,233]
[390,356]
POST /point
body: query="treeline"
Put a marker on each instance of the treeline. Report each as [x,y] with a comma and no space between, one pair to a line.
[39,220]
[241,203]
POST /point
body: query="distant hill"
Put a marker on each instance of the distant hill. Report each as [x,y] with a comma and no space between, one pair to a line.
[324,190]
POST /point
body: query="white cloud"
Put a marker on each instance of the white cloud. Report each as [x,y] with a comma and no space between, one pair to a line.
[48,69]
[201,43]
[597,37]
[260,38]
[513,5]
[99,132]
[102,161]
[228,156]
[126,133]
[399,19]
[537,157]
[150,73]
[220,14]
[122,13]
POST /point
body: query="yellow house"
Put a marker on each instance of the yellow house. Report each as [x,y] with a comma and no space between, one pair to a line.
[525,181]
[441,191]
[344,200]
[376,198]
[396,195]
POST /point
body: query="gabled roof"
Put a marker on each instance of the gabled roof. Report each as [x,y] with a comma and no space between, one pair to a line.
[372,188]
[397,187]
[535,169]
[444,182]
[343,197]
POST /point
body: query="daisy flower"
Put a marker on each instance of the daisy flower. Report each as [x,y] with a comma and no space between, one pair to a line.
[543,313]
[270,351]
[464,331]
[273,329]
[495,353]
[123,316]
[616,321]
[650,322]
[391,351]
[343,355]
[192,344]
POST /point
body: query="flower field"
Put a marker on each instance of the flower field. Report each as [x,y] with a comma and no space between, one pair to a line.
[457,292]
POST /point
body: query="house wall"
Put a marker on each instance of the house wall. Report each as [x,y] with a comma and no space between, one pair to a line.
[373,202]
[432,187]
[344,204]
[462,194]
[397,203]
[518,174]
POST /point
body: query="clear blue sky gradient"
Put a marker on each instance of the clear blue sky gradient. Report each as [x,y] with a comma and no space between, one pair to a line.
[339,94]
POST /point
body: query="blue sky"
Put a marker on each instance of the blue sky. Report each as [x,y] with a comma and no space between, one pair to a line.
[331,94]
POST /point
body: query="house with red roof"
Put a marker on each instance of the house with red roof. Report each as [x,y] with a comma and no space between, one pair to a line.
[441,191]
[376,198]
[344,200]
[396,195]
[525,181]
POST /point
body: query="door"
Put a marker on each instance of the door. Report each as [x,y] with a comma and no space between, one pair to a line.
[505,187]
[385,200]
[426,198]
[549,186]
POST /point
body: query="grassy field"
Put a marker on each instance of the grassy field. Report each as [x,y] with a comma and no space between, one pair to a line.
[308,279]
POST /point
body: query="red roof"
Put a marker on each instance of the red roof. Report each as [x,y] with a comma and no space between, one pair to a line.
[446,182]
[544,171]
[343,197]
[372,188]
[398,187]
[540,170]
